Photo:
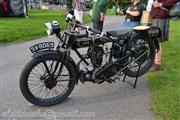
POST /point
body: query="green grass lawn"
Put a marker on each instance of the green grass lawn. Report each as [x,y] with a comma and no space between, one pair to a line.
[109,12]
[21,29]
[165,84]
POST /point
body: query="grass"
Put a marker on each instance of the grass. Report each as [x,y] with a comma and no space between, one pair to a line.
[165,84]
[109,12]
[23,29]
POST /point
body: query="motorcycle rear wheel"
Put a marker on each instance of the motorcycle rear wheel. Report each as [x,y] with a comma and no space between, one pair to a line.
[144,56]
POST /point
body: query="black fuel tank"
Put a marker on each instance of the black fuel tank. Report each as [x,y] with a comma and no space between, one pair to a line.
[87,42]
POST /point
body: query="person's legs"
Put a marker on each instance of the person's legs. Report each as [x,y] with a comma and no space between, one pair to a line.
[79,17]
[95,24]
[163,24]
[101,25]
[98,25]
[157,60]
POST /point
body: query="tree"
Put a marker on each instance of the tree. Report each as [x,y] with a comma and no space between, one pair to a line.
[69,4]
[118,3]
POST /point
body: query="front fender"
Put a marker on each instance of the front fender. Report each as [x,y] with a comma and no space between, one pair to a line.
[44,53]
[51,52]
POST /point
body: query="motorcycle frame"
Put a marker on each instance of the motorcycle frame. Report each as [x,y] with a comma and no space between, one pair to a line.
[64,50]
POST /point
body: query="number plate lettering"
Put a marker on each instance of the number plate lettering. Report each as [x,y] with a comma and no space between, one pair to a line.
[41,46]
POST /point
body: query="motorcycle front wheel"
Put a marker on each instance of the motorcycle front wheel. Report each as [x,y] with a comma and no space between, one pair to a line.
[44,89]
[142,58]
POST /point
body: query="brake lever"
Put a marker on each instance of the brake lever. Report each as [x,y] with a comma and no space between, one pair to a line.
[102,34]
[87,29]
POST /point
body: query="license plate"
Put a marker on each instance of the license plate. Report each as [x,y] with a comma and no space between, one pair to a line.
[42,46]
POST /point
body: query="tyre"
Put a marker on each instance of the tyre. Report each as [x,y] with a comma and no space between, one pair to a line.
[43,89]
[143,56]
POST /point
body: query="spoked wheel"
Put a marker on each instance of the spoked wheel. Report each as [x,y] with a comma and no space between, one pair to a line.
[42,85]
[143,56]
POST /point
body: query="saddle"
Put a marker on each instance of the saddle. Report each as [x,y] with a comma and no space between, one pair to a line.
[120,33]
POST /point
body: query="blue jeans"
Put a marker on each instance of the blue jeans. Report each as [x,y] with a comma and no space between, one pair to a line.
[131,24]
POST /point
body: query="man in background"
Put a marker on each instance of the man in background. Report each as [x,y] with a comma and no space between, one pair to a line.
[98,13]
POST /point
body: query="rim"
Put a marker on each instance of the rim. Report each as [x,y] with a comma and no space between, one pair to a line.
[142,56]
[43,86]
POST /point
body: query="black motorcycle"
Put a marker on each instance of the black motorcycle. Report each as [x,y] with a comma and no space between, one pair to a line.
[51,75]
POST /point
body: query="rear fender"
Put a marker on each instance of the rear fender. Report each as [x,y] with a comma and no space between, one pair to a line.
[156,42]
[151,32]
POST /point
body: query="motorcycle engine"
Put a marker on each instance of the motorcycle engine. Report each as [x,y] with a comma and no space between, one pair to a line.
[107,71]
[96,55]
[117,51]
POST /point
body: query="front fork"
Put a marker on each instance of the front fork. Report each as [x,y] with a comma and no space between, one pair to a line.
[61,66]
[61,60]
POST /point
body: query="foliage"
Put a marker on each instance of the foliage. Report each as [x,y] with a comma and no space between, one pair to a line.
[122,3]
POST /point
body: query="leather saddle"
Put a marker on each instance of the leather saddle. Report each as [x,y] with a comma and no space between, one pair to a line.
[120,33]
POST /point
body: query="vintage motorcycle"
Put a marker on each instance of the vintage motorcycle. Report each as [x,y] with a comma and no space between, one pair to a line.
[51,75]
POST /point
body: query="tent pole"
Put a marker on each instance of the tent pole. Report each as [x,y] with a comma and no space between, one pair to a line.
[25,8]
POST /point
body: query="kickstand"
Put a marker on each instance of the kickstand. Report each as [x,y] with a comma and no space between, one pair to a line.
[135,79]
[137,76]
[124,78]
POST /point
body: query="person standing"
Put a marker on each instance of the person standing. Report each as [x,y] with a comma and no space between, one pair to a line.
[133,13]
[79,9]
[98,13]
[160,18]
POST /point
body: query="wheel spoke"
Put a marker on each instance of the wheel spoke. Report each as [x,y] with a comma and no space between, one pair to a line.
[54,91]
[61,85]
[47,93]
[34,85]
[64,80]
[40,68]
[39,91]
[34,81]
[37,72]
[35,75]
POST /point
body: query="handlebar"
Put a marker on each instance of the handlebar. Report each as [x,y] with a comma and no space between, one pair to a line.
[95,31]
[81,35]
[89,29]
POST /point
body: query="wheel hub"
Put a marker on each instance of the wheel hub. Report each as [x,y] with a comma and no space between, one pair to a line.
[50,82]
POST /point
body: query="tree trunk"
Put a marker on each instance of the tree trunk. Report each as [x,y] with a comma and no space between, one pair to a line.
[69,4]
[25,10]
